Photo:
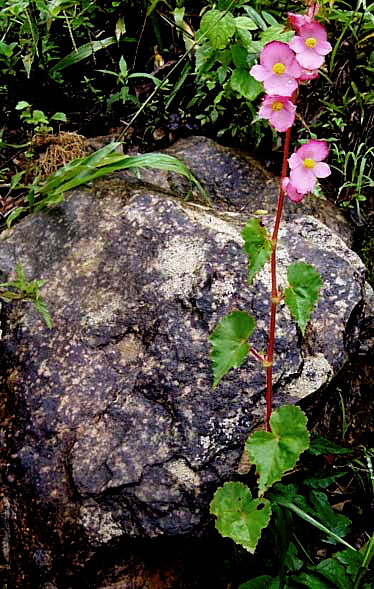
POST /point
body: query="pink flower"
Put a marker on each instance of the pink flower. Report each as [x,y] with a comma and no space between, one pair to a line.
[278,69]
[279,111]
[311,45]
[292,193]
[298,20]
[306,165]
[307,75]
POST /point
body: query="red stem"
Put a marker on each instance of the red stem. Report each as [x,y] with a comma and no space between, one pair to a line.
[274,290]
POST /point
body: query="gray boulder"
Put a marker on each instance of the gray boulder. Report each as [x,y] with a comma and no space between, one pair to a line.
[117,430]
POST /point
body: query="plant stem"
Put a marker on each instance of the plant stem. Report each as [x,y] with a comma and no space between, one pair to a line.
[274,290]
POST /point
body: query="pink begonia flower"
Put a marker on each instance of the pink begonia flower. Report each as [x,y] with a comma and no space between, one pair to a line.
[278,69]
[307,75]
[311,45]
[299,20]
[291,191]
[279,111]
[306,165]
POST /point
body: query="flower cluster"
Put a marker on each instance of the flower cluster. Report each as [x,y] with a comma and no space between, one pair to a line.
[282,67]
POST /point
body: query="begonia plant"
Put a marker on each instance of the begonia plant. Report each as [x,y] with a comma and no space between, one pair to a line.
[282,68]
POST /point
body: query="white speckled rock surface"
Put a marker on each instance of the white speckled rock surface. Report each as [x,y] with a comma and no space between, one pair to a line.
[118,428]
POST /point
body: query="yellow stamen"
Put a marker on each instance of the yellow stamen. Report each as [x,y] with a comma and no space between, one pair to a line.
[279,68]
[311,42]
[309,163]
[277,105]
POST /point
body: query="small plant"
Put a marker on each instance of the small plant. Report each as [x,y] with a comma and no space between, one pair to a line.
[39,122]
[22,290]
[96,165]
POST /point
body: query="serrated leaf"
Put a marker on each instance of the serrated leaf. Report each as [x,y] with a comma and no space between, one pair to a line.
[218,27]
[257,245]
[334,572]
[277,452]
[242,81]
[230,343]
[240,517]
[303,291]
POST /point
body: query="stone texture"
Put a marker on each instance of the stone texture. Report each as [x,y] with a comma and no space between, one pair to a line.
[117,430]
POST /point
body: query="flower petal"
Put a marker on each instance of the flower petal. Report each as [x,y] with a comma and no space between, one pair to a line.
[309,59]
[291,191]
[314,149]
[282,120]
[259,72]
[295,160]
[280,84]
[297,44]
[322,170]
[315,30]
[323,48]
[303,179]
[276,52]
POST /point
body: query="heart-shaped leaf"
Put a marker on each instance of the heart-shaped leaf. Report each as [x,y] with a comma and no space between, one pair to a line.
[257,245]
[303,291]
[277,452]
[230,343]
[240,517]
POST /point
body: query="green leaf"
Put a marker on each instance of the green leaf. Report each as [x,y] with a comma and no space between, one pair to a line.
[14,215]
[303,291]
[230,343]
[334,572]
[218,27]
[242,81]
[321,480]
[42,307]
[120,28]
[321,446]
[38,116]
[240,517]
[59,116]
[244,23]
[352,559]
[337,523]
[83,52]
[276,33]
[103,162]
[277,452]
[311,581]
[311,520]
[262,582]
[239,56]
[257,245]
[22,104]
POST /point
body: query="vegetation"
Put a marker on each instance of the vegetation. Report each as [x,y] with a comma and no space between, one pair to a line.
[71,69]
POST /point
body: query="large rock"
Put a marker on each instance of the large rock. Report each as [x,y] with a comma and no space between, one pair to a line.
[117,430]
